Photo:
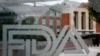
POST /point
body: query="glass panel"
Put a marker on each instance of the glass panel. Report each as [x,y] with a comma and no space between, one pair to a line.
[58,22]
[51,22]
[83,20]
[51,13]
[76,19]
[43,21]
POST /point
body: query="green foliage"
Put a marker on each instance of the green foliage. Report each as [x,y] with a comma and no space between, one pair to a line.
[6,17]
[93,13]
[28,20]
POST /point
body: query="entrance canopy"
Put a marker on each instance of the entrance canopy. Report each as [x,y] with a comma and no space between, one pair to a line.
[29,7]
[66,7]
[23,1]
[25,9]
[34,10]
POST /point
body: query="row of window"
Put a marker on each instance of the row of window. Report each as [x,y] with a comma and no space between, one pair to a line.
[53,13]
[83,20]
[51,23]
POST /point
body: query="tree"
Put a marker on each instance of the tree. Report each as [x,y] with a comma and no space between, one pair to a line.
[28,20]
[6,17]
[92,12]
[96,17]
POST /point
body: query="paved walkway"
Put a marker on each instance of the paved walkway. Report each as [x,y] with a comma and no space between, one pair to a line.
[93,52]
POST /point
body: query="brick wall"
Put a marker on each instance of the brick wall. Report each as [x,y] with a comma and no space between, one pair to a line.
[65,20]
[97,27]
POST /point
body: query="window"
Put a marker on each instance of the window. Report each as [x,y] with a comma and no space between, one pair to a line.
[57,14]
[58,22]
[90,22]
[58,30]
[51,22]
[51,13]
[58,25]
[36,21]
[51,26]
[43,21]
[75,19]
[83,20]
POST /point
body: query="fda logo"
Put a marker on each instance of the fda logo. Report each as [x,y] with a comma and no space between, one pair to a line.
[54,47]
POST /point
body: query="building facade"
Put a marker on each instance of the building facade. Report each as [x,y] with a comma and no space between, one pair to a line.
[52,19]
[52,22]
[81,19]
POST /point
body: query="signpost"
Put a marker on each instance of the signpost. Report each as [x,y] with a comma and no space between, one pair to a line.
[54,44]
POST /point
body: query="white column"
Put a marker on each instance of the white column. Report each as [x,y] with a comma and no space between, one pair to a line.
[71,19]
[79,20]
[87,22]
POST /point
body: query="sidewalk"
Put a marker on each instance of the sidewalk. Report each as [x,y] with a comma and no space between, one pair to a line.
[93,52]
